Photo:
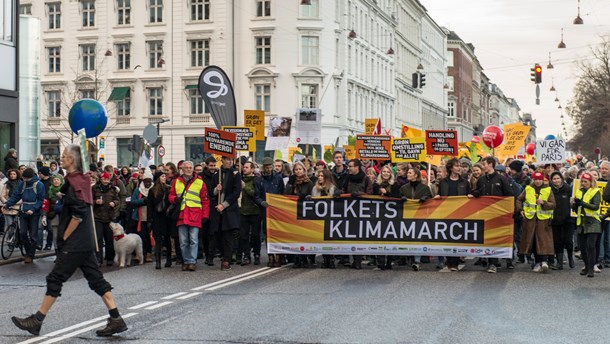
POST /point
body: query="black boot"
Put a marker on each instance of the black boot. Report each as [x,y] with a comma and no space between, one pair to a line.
[30,324]
[114,325]
[168,257]
[571,259]
[158,254]
[558,262]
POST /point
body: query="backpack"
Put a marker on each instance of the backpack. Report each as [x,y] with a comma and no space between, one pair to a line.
[516,187]
[33,187]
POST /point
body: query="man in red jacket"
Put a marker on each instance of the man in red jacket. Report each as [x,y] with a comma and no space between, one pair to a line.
[190,194]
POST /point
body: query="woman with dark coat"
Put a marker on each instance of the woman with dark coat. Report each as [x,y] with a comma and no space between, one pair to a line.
[587,201]
[157,204]
[105,210]
[299,185]
[10,160]
[125,175]
[563,224]
[224,210]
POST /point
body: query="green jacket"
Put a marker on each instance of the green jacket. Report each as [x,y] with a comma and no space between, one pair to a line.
[248,207]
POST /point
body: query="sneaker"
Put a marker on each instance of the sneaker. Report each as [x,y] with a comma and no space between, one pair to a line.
[453,268]
[596,269]
[47,248]
[544,267]
[191,267]
[245,261]
[492,269]
[415,266]
[30,324]
[28,260]
[225,266]
[114,325]
[185,267]
[537,268]
[509,265]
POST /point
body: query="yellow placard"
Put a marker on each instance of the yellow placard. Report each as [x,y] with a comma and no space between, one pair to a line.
[350,152]
[292,151]
[434,159]
[408,150]
[369,125]
[514,138]
[409,132]
[255,119]
[245,138]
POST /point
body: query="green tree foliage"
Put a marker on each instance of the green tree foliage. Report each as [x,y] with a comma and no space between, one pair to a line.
[590,107]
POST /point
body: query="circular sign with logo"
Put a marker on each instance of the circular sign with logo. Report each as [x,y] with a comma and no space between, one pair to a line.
[161,151]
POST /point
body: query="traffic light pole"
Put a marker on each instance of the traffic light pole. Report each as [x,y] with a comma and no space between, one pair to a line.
[537,94]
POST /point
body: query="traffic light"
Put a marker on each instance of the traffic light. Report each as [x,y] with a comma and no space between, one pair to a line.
[536,74]
[422,80]
[415,80]
[136,144]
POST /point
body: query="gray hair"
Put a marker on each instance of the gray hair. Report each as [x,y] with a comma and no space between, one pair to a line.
[188,162]
[604,162]
[73,151]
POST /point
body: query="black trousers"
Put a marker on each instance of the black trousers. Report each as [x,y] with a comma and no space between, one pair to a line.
[105,242]
[588,249]
[65,266]
[563,237]
[28,231]
[250,235]
[225,239]
[145,235]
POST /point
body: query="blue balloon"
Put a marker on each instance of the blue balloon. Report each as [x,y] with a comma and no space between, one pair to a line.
[550,137]
[88,114]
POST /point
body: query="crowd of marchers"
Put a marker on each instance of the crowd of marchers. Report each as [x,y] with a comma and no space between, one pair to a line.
[215,212]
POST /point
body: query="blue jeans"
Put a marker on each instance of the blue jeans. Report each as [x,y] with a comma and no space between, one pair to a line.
[189,242]
[28,231]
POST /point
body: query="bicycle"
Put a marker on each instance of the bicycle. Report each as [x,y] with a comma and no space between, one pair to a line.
[12,239]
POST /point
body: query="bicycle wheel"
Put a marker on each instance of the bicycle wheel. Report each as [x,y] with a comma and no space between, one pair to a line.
[9,240]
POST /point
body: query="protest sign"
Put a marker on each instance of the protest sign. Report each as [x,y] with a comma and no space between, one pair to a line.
[373,225]
[373,147]
[255,119]
[408,150]
[551,151]
[514,139]
[350,152]
[369,125]
[441,142]
[308,126]
[245,138]
[291,152]
[278,136]
[219,142]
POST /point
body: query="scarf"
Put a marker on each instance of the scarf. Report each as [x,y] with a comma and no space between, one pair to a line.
[400,180]
[54,190]
[81,184]
[300,180]
[143,189]
[356,178]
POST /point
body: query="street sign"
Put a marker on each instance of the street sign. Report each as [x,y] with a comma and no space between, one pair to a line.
[161,151]
[150,134]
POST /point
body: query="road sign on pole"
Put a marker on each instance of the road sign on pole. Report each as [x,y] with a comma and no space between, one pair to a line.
[161,151]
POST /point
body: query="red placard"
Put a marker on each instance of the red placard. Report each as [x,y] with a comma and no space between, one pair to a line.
[220,142]
[441,142]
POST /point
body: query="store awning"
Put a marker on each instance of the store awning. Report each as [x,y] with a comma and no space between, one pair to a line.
[190,87]
[118,93]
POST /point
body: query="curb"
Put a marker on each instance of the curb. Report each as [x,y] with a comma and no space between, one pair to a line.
[20,258]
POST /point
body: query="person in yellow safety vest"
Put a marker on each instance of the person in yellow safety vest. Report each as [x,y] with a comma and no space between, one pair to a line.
[586,204]
[536,204]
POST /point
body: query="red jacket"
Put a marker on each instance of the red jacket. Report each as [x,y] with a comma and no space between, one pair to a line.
[191,216]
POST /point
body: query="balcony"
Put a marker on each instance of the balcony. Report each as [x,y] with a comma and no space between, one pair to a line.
[54,120]
[123,120]
[199,119]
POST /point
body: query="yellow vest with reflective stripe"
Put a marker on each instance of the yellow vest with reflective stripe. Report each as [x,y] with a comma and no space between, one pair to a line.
[531,208]
[587,199]
[191,197]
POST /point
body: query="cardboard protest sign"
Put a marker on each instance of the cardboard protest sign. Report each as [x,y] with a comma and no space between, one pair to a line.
[291,152]
[278,136]
[369,125]
[514,139]
[373,147]
[551,151]
[219,142]
[350,152]
[408,150]
[409,132]
[308,126]
[255,119]
[441,142]
[245,138]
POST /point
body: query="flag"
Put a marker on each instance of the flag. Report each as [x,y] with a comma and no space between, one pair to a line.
[377,130]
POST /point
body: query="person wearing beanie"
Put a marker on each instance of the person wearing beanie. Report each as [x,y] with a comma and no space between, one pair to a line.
[157,205]
[139,213]
[563,224]
[586,204]
[106,204]
[536,204]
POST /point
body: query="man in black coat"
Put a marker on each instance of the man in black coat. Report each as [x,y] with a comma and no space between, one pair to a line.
[224,217]
[209,168]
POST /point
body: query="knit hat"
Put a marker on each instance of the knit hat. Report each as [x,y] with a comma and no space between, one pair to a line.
[538,176]
[157,175]
[135,175]
[147,175]
[516,165]
[105,175]
[152,167]
[28,173]
[585,176]
[267,161]
[500,168]
[424,174]
[320,163]
[465,161]
[45,171]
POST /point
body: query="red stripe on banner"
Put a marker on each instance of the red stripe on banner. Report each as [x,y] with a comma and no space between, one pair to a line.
[500,221]
[505,240]
[472,207]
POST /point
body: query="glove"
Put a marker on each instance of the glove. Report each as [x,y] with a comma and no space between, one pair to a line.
[577,202]
[264,204]
[308,197]
[424,199]
[44,221]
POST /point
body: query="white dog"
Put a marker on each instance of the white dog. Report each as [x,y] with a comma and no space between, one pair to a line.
[125,245]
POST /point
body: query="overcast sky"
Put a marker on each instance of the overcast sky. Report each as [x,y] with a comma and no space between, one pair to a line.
[510,36]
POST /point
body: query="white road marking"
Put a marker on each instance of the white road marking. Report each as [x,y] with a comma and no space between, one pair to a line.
[83,330]
[241,280]
[33,340]
[169,297]
[142,305]
[159,305]
[64,330]
[229,279]
[188,296]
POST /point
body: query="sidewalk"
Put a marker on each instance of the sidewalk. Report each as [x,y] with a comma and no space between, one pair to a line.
[17,257]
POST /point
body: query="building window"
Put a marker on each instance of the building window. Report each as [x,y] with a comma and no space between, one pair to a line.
[197,105]
[263,8]
[123,12]
[155,52]
[54,10]
[87,94]
[123,56]
[155,101]
[88,7]
[25,9]
[155,11]
[262,96]
[125,157]
[54,99]
[309,96]
[310,11]
[309,50]
[200,53]
[194,149]
[263,50]
[54,59]
[451,108]
[123,106]
[50,150]
[200,10]
[88,54]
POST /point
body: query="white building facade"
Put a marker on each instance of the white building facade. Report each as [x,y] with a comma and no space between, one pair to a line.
[142,59]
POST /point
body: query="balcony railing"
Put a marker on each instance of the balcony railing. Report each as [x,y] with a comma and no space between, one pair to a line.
[199,119]
[123,120]
[54,121]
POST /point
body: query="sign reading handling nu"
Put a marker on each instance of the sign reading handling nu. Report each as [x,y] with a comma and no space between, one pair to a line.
[451,226]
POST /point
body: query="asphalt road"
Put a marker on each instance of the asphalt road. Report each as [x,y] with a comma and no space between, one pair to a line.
[256,304]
